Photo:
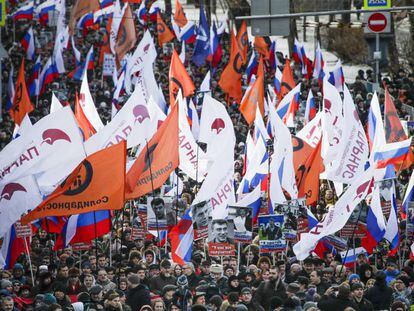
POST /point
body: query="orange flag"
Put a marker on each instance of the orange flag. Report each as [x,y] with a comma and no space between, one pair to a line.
[179,16]
[156,161]
[308,185]
[394,131]
[21,103]
[80,8]
[105,47]
[98,183]
[179,79]
[301,152]
[261,47]
[164,33]
[84,125]
[243,41]
[126,35]
[254,97]
[230,80]
[288,82]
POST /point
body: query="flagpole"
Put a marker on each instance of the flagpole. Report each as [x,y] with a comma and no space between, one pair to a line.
[96,238]
[352,237]
[30,261]
[152,193]
[50,246]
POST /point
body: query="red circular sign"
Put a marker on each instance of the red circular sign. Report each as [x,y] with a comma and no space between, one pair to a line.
[377,22]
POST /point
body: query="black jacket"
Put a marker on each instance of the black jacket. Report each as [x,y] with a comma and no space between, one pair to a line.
[158,283]
[364,305]
[138,297]
[380,295]
[267,290]
[329,303]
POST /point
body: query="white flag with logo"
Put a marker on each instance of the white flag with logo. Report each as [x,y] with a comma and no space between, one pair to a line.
[131,123]
[337,216]
[216,128]
[54,141]
[16,198]
[353,149]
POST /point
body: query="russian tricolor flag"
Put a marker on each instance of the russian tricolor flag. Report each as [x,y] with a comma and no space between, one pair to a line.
[48,74]
[392,229]
[89,63]
[252,67]
[154,9]
[375,223]
[297,52]
[336,77]
[216,51]
[272,56]
[28,43]
[141,13]
[187,33]
[182,237]
[43,9]
[82,228]
[310,110]
[86,21]
[409,195]
[34,79]
[318,65]
[349,257]
[291,98]
[10,90]
[24,12]
[392,153]
[277,81]
[12,248]
[253,200]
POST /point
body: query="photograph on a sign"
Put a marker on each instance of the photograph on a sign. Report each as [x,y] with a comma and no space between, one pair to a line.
[201,213]
[159,213]
[221,237]
[291,214]
[242,222]
[271,237]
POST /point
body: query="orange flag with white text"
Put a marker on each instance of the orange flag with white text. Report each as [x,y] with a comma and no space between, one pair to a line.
[179,16]
[98,183]
[157,159]
[84,125]
[179,79]
[21,102]
[288,82]
[164,33]
[230,80]
[243,41]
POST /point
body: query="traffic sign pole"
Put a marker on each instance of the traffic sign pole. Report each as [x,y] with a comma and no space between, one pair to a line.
[377,59]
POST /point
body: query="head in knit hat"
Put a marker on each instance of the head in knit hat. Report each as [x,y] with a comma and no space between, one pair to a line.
[354,278]
[49,299]
[5,284]
[216,301]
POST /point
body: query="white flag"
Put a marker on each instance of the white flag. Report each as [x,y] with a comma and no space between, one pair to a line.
[311,133]
[16,198]
[192,158]
[88,106]
[55,104]
[53,141]
[337,216]
[131,123]
[352,150]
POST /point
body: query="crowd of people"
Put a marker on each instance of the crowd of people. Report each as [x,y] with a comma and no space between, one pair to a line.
[126,272]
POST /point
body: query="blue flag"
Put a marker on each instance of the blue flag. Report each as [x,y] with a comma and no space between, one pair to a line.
[202,45]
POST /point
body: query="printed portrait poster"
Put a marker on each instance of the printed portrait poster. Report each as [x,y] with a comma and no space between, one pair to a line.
[201,214]
[159,213]
[242,223]
[271,236]
[291,212]
[221,237]
[410,219]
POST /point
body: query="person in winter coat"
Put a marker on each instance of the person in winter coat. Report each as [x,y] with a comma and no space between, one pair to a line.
[362,303]
[329,301]
[233,285]
[271,288]
[366,272]
[138,294]
[380,294]
[165,278]
[246,298]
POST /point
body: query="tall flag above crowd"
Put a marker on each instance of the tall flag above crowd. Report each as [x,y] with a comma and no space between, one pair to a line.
[72,168]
